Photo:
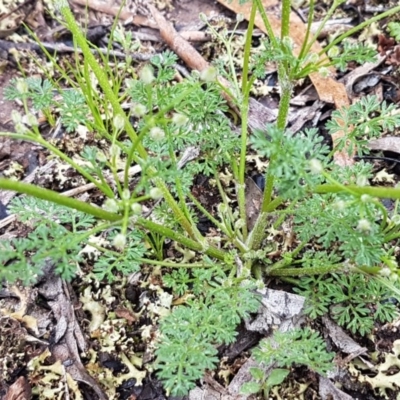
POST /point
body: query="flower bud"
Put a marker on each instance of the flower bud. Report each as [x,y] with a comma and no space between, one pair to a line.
[30,120]
[126,194]
[136,208]
[313,58]
[119,122]
[287,41]
[333,51]
[203,17]
[115,151]
[101,157]
[364,225]
[239,17]
[119,241]
[209,74]
[16,117]
[156,193]
[365,198]
[180,119]
[21,128]
[22,86]
[111,205]
[324,72]
[157,134]
[362,180]
[316,167]
[339,205]
[138,110]
[146,74]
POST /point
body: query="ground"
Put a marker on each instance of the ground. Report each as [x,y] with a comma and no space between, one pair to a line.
[92,339]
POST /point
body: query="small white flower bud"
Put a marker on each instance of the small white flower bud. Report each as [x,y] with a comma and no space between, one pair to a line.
[157,134]
[288,42]
[16,117]
[119,241]
[316,167]
[209,74]
[111,205]
[119,122]
[339,205]
[126,194]
[146,74]
[363,225]
[362,180]
[136,208]
[333,51]
[396,219]
[156,193]
[180,119]
[385,271]
[115,151]
[100,156]
[22,86]
[138,110]
[30,120]
[324,72]
[239,17]
[21,128]
[203,17]
[365,198]
[313,58]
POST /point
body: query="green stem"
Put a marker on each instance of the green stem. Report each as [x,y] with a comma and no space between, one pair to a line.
[303,52]
[174,265]
[183,240]
[285,18]
[328,16]
[57,198]
[241,186]
[257,235]
[304,271]
[100,74]
[247,48]
[359,27]
[266,22]
[380,192]
[178,213]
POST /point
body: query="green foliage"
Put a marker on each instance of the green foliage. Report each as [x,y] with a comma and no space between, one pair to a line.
[191,332]
[296,347]
[340,229]
[353,52]
[394,30]
[126,262]
[261,382]
[290,158]
[362,121]
[40,92]
[354,301]
[73,109]
[59,234]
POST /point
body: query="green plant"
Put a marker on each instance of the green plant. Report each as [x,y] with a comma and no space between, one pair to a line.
[394,30]
[191,332]
[152,121]
[283,350]
[355,301]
